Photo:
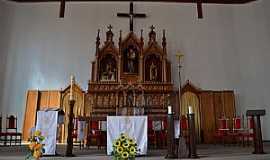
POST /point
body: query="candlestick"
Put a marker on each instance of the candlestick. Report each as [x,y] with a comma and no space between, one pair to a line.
[72,79]
[190,111]
[169,109]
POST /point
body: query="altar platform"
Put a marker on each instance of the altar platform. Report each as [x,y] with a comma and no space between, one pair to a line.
[205,151]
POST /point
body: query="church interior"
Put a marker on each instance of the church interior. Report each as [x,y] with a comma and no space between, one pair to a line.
[183,78]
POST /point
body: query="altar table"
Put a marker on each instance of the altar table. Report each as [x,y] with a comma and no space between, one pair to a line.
[134,126]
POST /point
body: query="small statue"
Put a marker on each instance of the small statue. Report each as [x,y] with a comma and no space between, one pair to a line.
[131,58]
[153,72]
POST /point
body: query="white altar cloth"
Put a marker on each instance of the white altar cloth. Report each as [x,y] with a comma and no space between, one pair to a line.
[47,124]
[134,126]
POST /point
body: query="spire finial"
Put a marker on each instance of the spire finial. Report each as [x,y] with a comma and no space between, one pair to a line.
[110,27]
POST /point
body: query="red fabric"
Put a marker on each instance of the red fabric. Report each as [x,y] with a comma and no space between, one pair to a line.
[223,124]
[165,125]
[251,122]
[94,125]
[237,123]
[184,123]
[150,124]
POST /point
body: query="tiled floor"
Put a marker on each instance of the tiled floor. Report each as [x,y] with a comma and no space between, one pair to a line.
[205,152]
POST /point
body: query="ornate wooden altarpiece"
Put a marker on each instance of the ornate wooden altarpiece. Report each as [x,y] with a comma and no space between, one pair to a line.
[132,78]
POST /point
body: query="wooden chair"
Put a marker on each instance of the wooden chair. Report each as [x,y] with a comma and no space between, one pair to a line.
[248,133]
[152,137]
[237,130]
[164,132]
[184,128]
[94,134]
[12,134]
[222,132]
[160,130]
[2,134]
[75,130]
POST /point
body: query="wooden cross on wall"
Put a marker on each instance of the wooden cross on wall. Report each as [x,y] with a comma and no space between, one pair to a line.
[131,15]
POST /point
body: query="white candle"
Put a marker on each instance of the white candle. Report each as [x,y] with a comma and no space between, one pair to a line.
[169,109]
[71,87]
[190,111]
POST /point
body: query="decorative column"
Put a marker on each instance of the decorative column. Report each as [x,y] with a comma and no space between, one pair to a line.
[141,68]
[119,68]
[164,69]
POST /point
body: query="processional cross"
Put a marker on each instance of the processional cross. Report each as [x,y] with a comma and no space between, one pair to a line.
[131,15]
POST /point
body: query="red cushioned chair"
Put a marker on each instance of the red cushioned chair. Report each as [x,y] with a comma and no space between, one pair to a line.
[164,132]
[236,134]
[223,130]
[248,134]
[2,134]
[152,137]
[94,134]
[160,129]
[12,134]
[75,130]
[184,128]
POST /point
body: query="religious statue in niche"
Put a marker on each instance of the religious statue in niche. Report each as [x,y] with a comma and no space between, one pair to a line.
[108,69]
[153,72]
[130,99]
[131,60]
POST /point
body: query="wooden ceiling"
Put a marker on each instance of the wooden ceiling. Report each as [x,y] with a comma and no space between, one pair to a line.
[176,1]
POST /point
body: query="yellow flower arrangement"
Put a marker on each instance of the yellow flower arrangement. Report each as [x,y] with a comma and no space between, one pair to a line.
[124,148]
[35,147]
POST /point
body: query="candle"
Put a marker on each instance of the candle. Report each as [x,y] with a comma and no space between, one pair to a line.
[190,111]
[71,87]
[169,109]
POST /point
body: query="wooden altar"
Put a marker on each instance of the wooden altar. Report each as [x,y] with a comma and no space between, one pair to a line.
[133,77]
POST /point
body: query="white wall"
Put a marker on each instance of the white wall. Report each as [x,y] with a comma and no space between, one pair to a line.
[43,50]
[3,42]
[252,37]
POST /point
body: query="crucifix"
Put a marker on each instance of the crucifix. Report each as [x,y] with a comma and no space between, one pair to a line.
[131,15]
[199,9]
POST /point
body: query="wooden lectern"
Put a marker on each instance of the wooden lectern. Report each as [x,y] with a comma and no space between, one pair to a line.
[258,144]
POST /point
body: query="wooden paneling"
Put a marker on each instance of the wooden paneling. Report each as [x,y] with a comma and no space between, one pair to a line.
[38,100]
[49,99]
[214,104]
[207,116]
[229,106]
[218,103]
[30,113]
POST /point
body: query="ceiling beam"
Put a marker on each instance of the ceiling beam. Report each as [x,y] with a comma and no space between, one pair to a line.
[175,1]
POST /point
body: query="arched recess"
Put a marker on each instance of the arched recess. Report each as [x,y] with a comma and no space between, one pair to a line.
[108,68]
[190,97]
[153,68]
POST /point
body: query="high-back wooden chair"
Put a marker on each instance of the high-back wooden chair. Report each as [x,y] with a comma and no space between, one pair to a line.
[152,136]
[248,134]
[94,134]
[223,130]
[12,134]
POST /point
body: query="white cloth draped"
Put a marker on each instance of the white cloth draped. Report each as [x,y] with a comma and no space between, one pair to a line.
[134,126]
[47,124]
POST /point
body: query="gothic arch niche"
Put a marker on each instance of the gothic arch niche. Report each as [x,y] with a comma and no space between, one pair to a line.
[108,68]
[153,68]
[131,60]
[190,97]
